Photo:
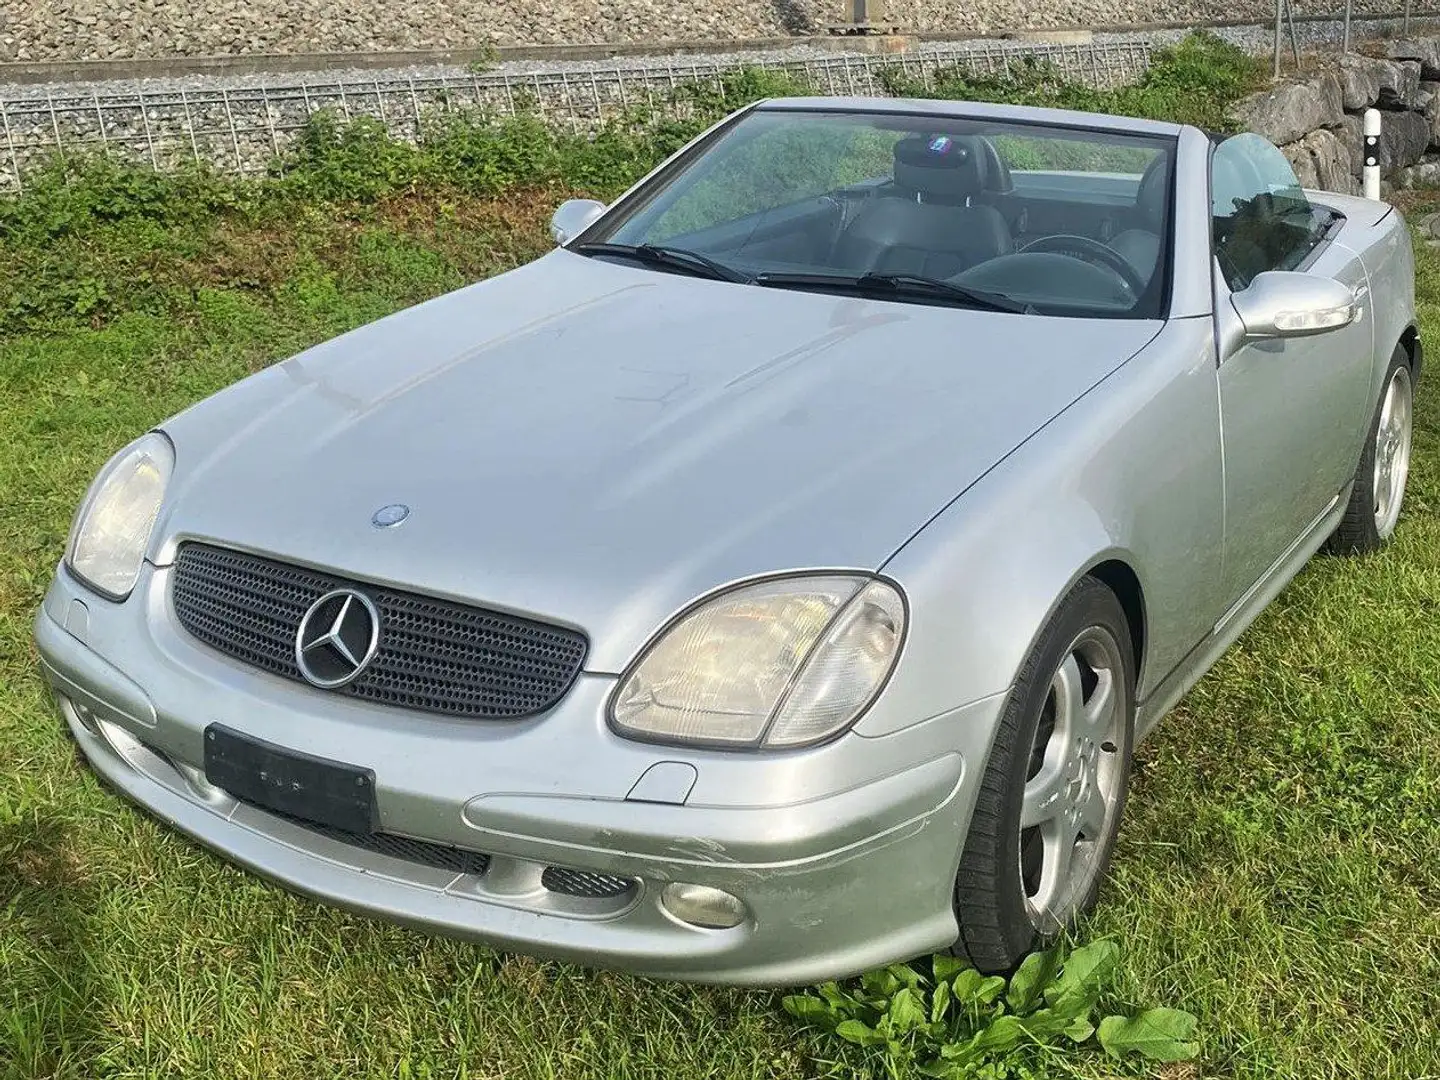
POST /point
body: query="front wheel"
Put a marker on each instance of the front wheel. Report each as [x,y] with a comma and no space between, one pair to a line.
[1374,507]
[1050,801]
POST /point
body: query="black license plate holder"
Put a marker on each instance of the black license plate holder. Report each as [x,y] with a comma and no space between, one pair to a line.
[288,782]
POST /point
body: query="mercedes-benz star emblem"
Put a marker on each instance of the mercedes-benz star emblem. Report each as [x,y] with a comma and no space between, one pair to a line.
[387,517]
[337,638]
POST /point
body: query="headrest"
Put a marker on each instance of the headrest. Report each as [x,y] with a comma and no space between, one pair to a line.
[940,166]
[1154,191]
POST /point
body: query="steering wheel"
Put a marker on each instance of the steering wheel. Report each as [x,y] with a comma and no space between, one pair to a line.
[1091,251]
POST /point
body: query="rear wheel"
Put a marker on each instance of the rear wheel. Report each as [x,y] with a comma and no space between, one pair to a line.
[1374,507]
[1053,792]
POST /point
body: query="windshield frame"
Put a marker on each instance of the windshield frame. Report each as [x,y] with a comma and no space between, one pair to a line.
[645,192]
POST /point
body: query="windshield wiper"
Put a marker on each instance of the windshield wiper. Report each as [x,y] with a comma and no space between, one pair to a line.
[692,262]
[898,285]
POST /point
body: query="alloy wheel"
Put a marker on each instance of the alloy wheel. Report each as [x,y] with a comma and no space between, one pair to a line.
[1074,783]
[1392,451]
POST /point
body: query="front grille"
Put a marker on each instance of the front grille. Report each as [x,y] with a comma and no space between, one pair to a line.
[584,884]
[423,852]
[434,655]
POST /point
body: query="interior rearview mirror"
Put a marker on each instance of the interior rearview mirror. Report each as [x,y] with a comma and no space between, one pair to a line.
[572,217]
[1287,303]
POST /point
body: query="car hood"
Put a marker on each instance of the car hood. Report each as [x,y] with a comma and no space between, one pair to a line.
[597,444]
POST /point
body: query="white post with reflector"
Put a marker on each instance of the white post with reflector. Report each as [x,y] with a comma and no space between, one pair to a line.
[1371,169]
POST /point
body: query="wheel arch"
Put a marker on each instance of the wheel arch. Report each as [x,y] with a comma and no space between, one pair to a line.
[1120,578]
[1414,349]
[1116,571]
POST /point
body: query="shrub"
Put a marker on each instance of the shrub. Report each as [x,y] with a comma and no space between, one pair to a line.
[357,162]
[959,1023]
[67,196]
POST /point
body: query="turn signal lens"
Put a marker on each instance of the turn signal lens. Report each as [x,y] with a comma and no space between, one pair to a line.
[1302,322]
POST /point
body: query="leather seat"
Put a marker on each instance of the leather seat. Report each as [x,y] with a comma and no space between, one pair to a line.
[1140,245]
[926,224]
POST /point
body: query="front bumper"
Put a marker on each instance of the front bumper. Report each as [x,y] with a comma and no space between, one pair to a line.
[843,855]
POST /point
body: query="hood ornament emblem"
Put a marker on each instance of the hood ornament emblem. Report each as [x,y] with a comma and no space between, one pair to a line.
[387,517]
[337,639]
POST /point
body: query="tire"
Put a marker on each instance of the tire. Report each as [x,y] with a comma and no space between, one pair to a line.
[1005,913]
[1375,500]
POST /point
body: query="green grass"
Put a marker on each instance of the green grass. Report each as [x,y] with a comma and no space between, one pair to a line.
[1278,871]
[126,951]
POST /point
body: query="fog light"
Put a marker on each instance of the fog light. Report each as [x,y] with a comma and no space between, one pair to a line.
[700,905]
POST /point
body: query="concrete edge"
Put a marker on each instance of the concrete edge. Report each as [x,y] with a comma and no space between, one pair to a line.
[44,71]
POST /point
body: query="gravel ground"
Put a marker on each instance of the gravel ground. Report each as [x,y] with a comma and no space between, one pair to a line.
[1260,37]
[1255,38]
[117,29]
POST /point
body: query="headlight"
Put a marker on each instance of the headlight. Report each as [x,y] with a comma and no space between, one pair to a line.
[112,528]
[777,663]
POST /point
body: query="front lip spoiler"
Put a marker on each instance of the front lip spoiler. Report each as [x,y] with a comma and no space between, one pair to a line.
[427,908]
[640,939]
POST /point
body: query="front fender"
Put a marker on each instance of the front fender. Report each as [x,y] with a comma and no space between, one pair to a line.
[1130,472]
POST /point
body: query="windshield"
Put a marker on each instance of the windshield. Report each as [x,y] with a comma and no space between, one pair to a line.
[1019,217]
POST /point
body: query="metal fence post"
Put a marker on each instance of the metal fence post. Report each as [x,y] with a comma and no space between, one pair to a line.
[1278,31]
[1294,37]
[10,145]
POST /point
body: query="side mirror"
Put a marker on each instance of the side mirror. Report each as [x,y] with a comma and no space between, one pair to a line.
[1285,304]
[573,217]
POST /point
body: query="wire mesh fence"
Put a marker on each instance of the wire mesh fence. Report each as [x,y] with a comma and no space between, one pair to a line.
[244,128]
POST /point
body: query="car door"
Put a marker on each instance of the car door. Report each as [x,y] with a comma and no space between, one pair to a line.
[1292,409]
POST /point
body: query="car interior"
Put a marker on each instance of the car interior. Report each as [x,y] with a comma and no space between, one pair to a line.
[951,208]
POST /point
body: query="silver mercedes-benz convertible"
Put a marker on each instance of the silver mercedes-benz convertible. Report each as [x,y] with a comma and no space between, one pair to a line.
[774,580]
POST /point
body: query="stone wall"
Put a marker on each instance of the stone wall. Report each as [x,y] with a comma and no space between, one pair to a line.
[1317,121]
[115,29]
